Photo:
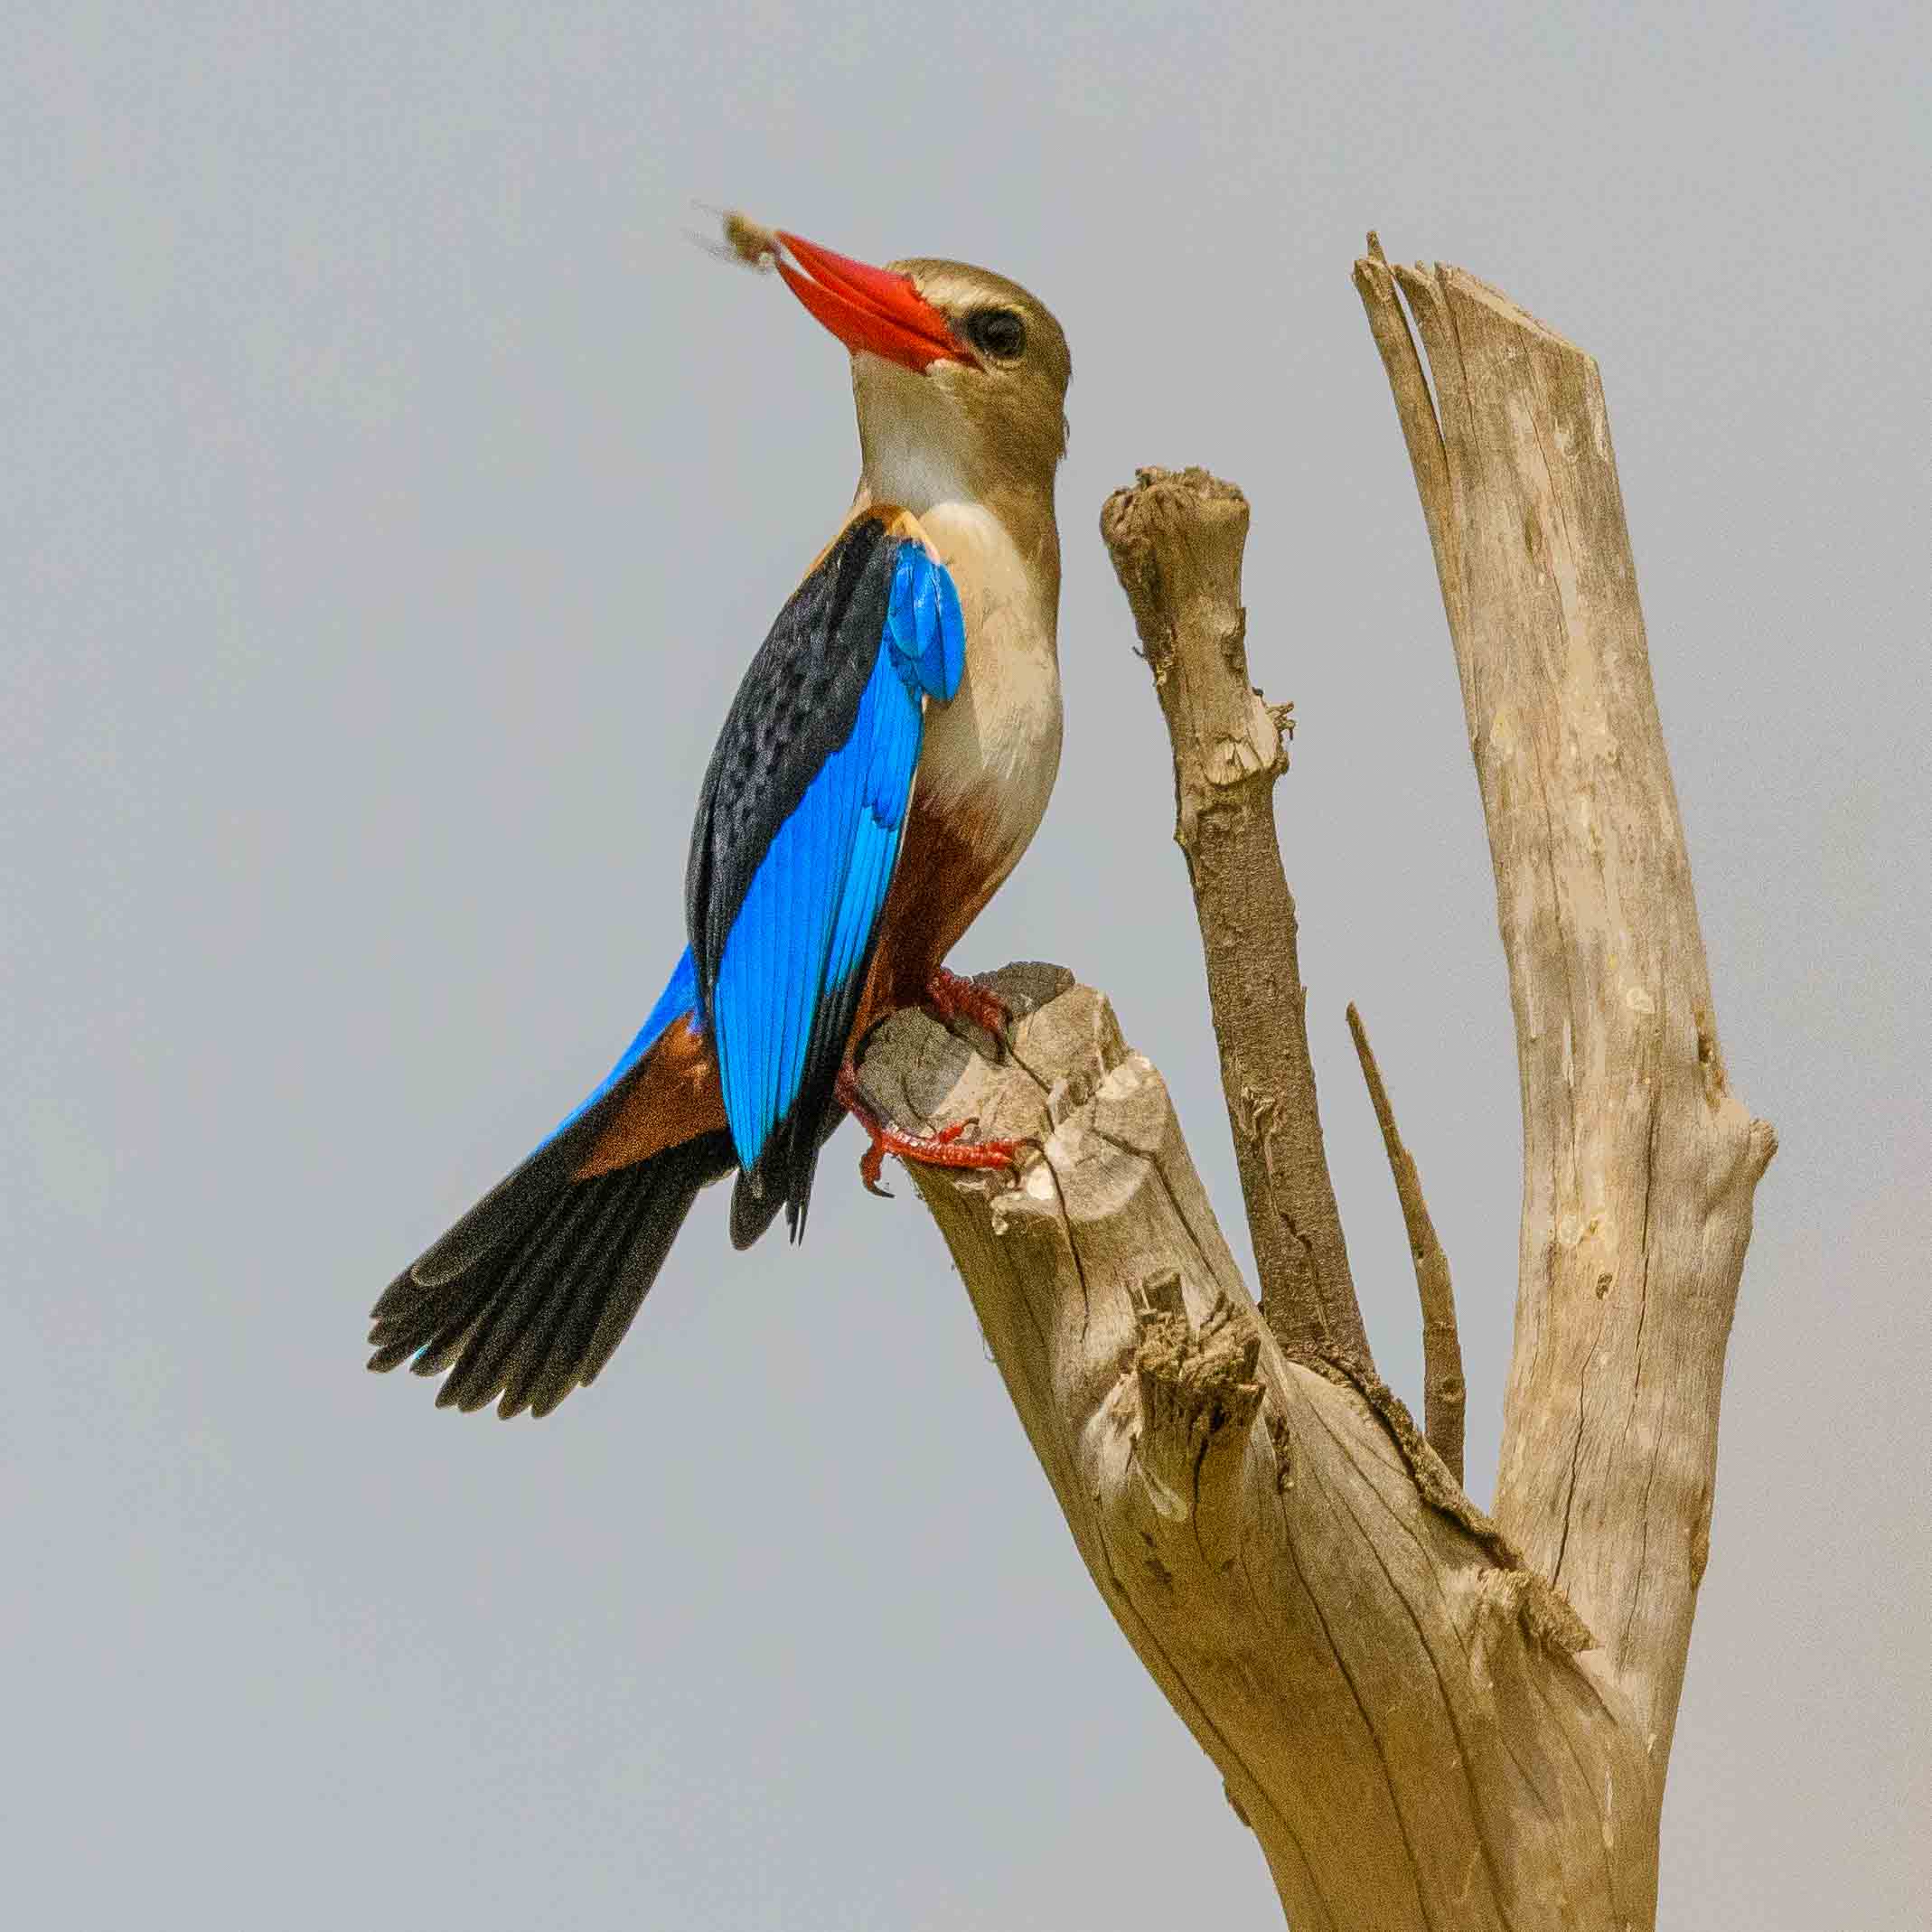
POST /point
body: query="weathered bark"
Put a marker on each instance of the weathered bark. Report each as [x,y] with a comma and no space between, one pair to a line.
[1638,1165]
[1403,1700]
[1176,541]
[1392,1698]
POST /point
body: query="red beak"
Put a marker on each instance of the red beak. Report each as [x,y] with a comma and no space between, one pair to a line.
[870,308]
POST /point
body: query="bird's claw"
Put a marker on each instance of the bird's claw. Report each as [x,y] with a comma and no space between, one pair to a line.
[872,1162]
[950,995]
[871,1167]
[945,1148]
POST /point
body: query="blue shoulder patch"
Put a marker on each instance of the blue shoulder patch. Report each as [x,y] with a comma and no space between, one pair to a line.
[924,624]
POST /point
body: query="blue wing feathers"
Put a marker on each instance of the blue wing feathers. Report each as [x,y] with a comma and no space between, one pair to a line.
[924,624]
[805,929]
[876,844]
[952,638]
[902,620]
[810,913]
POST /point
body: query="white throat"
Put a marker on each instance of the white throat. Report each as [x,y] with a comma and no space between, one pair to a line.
[912,443]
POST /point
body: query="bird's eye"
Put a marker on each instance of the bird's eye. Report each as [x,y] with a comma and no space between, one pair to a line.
[998,332]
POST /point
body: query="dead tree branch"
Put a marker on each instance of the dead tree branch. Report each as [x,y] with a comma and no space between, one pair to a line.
[1176,541]
[1638,1165]
[1393,1699]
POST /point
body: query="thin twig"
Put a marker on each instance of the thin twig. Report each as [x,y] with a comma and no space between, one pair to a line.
[1444,1392]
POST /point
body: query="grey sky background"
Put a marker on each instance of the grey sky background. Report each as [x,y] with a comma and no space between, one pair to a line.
[392,498]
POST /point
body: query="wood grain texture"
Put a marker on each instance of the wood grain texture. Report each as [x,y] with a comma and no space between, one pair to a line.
[1638,1163]
[1176,539]
[1400,1708]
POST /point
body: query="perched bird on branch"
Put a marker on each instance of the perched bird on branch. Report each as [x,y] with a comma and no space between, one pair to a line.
[886,760]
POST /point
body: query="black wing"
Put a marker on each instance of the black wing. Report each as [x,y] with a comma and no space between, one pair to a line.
[797,836]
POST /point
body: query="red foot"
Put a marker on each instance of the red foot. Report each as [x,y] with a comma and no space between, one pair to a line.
[934,1151]
[952,997]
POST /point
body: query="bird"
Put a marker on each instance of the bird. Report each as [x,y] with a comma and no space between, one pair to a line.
[884,763]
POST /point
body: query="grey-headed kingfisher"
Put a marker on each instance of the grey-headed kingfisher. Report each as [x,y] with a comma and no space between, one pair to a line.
[884,763]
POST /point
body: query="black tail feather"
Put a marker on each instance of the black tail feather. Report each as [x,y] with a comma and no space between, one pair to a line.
[752,1212]
[547,1370]
[783,1175]
[527,1297]
[511,1206]
[519,1335]
[542,1265]
[638,1242]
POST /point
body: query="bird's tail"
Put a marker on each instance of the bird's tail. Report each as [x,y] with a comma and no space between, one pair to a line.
[525,1298]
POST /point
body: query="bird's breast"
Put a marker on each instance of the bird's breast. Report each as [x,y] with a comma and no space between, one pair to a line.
[990,756]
